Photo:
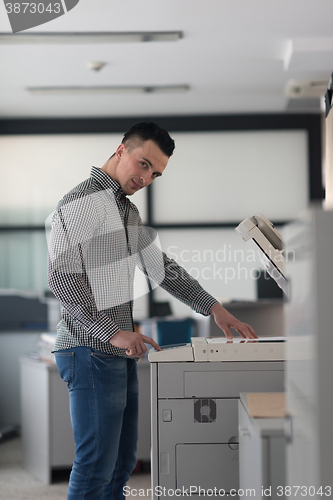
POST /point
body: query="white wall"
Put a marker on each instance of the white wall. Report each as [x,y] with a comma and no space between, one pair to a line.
[217,258]
[38,170]
[225,176]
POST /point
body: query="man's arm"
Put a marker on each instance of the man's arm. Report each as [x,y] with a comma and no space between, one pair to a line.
[225,321]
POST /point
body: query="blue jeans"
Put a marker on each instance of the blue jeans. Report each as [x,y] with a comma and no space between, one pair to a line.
[103,398]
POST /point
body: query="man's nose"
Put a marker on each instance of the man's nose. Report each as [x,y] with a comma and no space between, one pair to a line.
[145,179]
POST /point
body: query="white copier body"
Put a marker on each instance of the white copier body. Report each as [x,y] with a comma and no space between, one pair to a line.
[194,397]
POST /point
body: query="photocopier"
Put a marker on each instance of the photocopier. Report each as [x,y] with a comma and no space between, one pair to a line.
[195,389]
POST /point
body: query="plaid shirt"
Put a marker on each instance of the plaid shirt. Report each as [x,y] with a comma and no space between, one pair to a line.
[96,241]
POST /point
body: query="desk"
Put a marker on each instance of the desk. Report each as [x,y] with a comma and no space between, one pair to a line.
[47,438]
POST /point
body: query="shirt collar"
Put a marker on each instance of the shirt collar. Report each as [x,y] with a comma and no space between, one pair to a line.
[107,182]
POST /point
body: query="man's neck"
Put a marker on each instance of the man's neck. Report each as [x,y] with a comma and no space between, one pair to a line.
[109,167]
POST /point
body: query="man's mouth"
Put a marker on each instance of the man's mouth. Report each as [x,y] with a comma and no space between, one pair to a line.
[136,186]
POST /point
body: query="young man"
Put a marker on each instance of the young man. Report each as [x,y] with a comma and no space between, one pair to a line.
[96,241]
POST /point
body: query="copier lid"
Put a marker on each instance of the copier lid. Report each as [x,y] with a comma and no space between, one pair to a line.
[267,243]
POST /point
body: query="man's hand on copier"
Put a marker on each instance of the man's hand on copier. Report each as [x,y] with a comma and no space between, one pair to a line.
[133,342]
[225,321]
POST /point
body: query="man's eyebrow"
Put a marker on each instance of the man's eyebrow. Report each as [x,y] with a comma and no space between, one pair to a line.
[146,159]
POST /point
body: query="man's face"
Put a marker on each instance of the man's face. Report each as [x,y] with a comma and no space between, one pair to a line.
[138,167]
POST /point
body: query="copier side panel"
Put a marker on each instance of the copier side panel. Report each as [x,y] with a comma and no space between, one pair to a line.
[221,384]
[208,379]
[207,467]
[154,423]
[189,451]
[198,431]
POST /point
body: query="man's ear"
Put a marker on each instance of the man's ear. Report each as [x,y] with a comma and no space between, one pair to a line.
[120,150]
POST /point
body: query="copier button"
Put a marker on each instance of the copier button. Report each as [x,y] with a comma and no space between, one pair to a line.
[167,415]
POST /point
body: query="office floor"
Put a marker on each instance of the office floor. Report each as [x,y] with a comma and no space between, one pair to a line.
[17,484]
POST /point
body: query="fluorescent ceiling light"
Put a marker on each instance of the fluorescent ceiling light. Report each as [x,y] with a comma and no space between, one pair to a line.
[113,89]
[91,37]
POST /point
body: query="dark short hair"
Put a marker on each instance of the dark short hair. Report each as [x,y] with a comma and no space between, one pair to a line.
[150,131]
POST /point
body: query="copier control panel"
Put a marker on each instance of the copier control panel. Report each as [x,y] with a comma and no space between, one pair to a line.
[222,349]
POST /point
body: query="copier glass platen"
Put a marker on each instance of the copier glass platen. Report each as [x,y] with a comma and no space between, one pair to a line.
[194,403]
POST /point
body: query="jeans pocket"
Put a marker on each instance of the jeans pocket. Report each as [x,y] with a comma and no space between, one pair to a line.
[65,364]
[100,354]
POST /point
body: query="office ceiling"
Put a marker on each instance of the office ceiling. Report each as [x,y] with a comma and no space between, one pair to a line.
[234,56]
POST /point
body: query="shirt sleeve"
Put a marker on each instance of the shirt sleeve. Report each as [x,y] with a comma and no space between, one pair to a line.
[172,277]
[73,229]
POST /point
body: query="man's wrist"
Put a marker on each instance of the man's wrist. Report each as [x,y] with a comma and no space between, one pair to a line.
[216,307]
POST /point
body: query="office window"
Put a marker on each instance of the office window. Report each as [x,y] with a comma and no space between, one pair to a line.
[23,260]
